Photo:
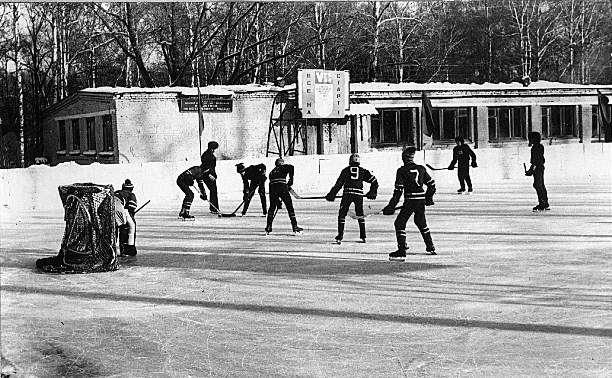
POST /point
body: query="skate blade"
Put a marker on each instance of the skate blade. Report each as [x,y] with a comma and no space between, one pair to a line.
[397,259]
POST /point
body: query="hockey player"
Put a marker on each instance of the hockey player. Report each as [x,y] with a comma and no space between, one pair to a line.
[185,180]
[410,179]
[130,204]
[253,177]
[352,178]
[124,219]
[209,163]
[279,191]
[461,155]
[537,170]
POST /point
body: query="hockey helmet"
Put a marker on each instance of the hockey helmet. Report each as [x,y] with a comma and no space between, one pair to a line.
[408,154]
[127,185]
[354,159]
[212,145]
[240,167]
[278,162]
[534,137]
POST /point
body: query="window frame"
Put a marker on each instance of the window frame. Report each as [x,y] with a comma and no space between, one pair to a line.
[75,129]
[107,134]
[512,111]
[463,112]
[90,133]
[62,136]
[393,126]
[548,116]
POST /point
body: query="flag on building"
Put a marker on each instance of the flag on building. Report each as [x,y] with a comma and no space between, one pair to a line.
[427,118]
[602,117]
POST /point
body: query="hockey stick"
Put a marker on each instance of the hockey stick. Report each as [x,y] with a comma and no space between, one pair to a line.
[140,208]
[233,214]
[210,203]
[297,196]
[355,216]
[436,169]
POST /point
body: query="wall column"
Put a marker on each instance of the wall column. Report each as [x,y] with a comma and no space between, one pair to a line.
[482,126]
[536,118]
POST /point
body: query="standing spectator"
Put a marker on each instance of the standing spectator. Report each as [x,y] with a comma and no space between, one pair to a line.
[461,155]
[537,170]
[209,163]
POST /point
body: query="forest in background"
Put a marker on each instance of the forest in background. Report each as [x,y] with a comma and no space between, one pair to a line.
[49,51]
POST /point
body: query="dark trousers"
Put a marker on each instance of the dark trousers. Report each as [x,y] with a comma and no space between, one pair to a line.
[212,197]
[416,207]
[463,173]
[186,188]
[278,193]
[345,203]
[538,184]
[261,189]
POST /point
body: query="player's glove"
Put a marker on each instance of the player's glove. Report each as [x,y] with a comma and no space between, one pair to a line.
[429,202]
[388,210]
[211,177]
[330,197]
[290,183]
[203,197]
[371,195]
[474,165]
[451,167]
[529,172]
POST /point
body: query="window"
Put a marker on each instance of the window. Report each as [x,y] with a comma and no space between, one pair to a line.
[559,121]
[453,122]
[507,123]
[393,126]
[91,134]
[597,131]
[62,135]
[76,135]
[107,134]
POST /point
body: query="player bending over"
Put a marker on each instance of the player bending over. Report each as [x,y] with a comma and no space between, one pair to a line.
[352,178]
[410,179]
[123,219]
[253,177]
[279,191]
[185,180]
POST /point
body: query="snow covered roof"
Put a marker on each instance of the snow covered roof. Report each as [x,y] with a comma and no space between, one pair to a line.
[215,90]
[440,86]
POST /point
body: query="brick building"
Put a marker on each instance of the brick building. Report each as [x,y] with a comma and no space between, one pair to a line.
[133,125]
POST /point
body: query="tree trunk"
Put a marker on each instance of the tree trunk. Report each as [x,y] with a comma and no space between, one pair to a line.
[19,87]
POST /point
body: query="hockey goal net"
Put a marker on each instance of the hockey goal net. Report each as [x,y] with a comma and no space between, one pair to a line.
[88,244]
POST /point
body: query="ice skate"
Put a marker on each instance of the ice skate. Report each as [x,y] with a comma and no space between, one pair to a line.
[338,239]
[268,230]
[362,240]
[185,216]
[297,230]
[470,191]
[431,249]
[538,208]
[460,191]
[399,255]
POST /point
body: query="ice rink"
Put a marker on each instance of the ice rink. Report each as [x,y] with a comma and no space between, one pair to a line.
[511,293]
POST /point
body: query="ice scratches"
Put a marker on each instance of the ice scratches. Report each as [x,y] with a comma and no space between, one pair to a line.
[397,358]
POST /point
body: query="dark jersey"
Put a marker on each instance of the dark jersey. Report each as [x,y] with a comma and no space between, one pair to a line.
[462,154]
[209,163]
[254,173]
[193,173]
[278,176]
[537,155]
[352,178]
[129,200]
[410,179]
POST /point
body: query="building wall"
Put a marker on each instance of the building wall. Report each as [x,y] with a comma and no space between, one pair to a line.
[78,108]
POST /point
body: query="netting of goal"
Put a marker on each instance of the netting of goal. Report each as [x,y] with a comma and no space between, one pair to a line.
[88,244]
